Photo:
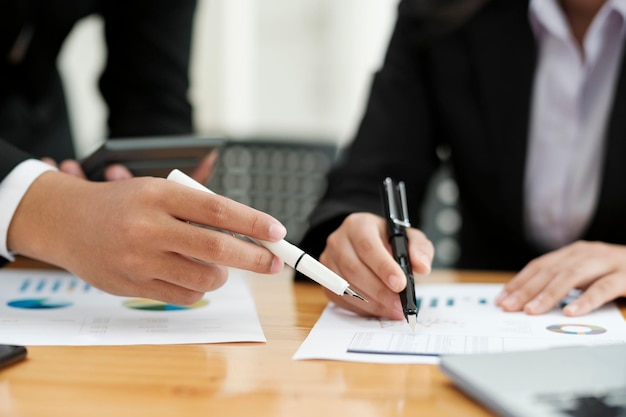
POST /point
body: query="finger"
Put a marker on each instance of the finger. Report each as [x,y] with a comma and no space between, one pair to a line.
[551,295]
[204,171]
[117,172]
[393,312]
[190,273]
[163,291]
[223,213]
[381,300]
[370,245]
[49,161]
[215,247]
[159,280]
[572,275]
[388,279]
[599,292]
[72,167]
[533,285]
[421,251]
[522,277]
[511,291]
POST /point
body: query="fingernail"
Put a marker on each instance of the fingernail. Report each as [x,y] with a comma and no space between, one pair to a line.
[75,171]
[501,297]
[423,259]
[49,161]
[532,306]
[571,309]
[277,231]
[510,301]
[426,262]
[116,173]
[277,265]
[396,283]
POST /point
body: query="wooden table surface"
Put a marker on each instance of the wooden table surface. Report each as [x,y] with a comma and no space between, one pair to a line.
[233,379]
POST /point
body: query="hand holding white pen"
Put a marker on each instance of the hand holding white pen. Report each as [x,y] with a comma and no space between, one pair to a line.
[290,254]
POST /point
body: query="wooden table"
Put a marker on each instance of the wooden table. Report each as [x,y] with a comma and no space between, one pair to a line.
[233,379]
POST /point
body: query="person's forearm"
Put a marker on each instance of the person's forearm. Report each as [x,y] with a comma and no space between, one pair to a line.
[12,189]
[38,218]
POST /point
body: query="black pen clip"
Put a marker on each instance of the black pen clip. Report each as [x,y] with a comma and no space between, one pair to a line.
[396,208]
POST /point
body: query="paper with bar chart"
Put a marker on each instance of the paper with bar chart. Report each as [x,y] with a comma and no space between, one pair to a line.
[454,319]
[50,307]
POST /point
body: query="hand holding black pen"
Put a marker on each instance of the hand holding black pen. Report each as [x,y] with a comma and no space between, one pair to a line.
[397,216]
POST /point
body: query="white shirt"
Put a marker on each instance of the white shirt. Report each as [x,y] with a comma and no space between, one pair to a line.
[571,103]
[12,189]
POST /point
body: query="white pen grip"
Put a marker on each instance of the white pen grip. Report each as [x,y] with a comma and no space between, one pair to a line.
[182,178]
[306,264]
[284,250]
[322,275]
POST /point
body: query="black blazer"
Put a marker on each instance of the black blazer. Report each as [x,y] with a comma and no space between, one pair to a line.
[468,90]
[144,83]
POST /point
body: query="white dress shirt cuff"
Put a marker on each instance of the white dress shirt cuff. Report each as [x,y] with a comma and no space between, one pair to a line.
[12,189]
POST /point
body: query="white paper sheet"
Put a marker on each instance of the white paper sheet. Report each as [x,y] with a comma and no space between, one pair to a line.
[47,307]
[454,318]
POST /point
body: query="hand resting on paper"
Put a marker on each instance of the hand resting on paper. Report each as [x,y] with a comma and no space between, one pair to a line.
[597,268]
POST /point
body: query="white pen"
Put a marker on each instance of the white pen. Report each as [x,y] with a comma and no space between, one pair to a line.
[290,254]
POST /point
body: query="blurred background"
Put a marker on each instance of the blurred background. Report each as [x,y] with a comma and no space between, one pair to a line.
[298,70]
[295,68]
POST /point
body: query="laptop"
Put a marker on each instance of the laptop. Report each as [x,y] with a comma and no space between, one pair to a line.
[559,382]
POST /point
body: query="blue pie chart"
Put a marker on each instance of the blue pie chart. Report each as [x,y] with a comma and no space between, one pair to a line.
[38,303]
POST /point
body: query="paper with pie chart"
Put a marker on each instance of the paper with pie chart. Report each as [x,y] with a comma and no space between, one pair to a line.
[455,319]
[51,307]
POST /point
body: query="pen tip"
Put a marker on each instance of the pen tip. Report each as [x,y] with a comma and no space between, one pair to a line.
[353,293]
[412,320]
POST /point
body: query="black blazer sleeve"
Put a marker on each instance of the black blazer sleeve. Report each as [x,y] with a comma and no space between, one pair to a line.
[146,79]
[10,157]
[395,138]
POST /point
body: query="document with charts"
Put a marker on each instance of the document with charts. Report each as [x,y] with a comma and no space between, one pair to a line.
[454,319]
[49,307]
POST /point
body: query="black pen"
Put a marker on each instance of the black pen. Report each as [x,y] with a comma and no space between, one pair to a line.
[397,215]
